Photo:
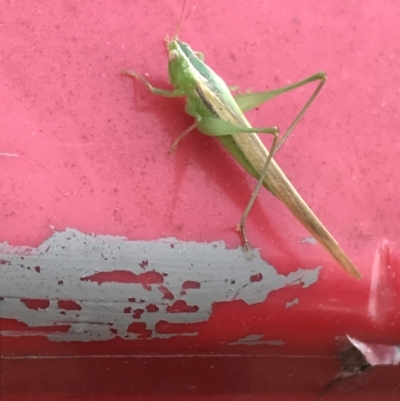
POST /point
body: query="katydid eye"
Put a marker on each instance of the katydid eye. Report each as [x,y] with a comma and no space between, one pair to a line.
[173,55]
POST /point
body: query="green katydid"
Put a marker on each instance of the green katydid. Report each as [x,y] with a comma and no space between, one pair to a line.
[219,113]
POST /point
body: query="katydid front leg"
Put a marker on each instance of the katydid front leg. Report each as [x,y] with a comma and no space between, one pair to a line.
[151,88]
[165,93]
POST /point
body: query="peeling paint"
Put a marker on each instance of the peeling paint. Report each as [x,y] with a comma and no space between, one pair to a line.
[292,303]
[102,287]
[309,240]
[254,339]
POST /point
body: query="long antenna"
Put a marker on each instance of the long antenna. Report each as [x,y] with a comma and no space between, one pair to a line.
[182,20]
[178,28]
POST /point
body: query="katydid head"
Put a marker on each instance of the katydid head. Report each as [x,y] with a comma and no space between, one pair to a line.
[181,57]
[180,64]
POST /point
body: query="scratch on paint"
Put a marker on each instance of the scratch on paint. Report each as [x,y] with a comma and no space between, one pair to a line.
[292,303]
[102,287]
[256,340]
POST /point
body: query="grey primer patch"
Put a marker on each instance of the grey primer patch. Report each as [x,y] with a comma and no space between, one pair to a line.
[98,287]
[292,303]
[256,340]
[309,240]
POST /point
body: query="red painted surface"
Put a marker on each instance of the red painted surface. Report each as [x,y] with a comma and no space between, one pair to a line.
[122,276]
[83,147]
[68,305]
[190,285]
[36,304]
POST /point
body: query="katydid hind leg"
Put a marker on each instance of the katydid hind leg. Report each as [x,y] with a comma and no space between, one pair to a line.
[250,100]
[276,145]
[241,228]
[301,113]
[216,127]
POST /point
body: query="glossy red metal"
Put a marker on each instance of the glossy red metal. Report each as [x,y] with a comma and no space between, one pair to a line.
[81,147]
